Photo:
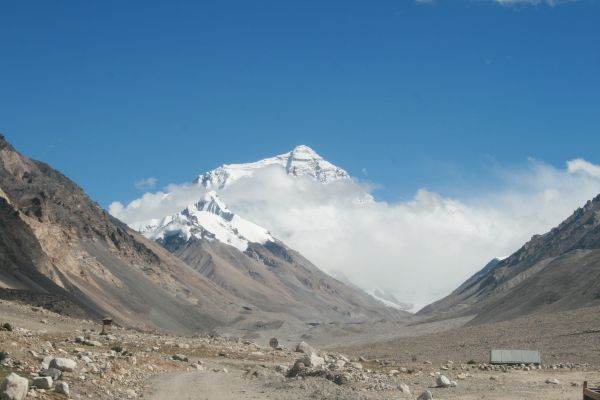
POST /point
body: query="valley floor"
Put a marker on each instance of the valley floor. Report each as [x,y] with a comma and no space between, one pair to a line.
[222,368]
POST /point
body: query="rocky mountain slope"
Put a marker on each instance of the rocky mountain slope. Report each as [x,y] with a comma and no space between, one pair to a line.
[248,262]
[230,273]
[54,239]
[557,271]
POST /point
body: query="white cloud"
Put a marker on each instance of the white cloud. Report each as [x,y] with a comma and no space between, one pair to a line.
[551,3]
[147,183]
[583,167]
[420,249]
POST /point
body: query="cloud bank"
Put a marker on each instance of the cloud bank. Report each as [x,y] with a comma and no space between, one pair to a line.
[420,249]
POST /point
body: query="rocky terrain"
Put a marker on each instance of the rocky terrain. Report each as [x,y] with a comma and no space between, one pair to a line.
[57,241]
[50,356]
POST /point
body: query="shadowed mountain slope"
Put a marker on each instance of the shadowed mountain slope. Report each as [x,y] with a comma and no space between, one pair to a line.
[273,278]
[557,271]
[55,239]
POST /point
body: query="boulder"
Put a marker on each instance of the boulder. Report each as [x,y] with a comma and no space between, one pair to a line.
[305,348]
[356,365]
[199,367]
[281,368]
[52,373]
[63,364]
[42,382]
[63,388]
[46,362]
[14,387]
[179,357]
[340,379]
[426,395]
[403,387]
[443,381]
[311,360]
[553,381]
[296,369]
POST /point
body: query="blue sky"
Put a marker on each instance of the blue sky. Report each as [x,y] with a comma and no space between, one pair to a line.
[417,95]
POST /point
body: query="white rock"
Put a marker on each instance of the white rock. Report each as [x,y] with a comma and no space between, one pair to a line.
[553,381]
[305,348]
[63,364]
[311,360]
[426,395]
[403,387]
[62,387]
[46,362]
[14,387]
[199,367]
[281,368]
[443,381]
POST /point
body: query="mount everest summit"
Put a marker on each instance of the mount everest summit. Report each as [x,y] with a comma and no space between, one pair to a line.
[209,221]
[301,161]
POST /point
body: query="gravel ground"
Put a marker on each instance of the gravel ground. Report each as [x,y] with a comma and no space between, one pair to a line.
[222,368]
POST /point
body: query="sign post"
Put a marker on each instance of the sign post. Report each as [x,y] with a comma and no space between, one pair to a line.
[273,343]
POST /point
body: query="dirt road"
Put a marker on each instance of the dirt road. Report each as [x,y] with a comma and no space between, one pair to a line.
[213,383]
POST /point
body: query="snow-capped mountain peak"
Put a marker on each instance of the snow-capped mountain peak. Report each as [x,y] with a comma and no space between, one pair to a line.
[208,219]
[210,203]
[301,161]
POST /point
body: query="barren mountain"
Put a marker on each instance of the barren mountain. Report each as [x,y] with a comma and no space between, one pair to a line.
[248,262]
[55,240]
[557,271]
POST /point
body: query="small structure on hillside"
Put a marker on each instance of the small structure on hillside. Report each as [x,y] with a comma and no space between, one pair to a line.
[590,393]
[505,356]
[106,326]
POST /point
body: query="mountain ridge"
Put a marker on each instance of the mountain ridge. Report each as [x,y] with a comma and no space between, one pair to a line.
[300,161]
[67,244]
[556,271]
